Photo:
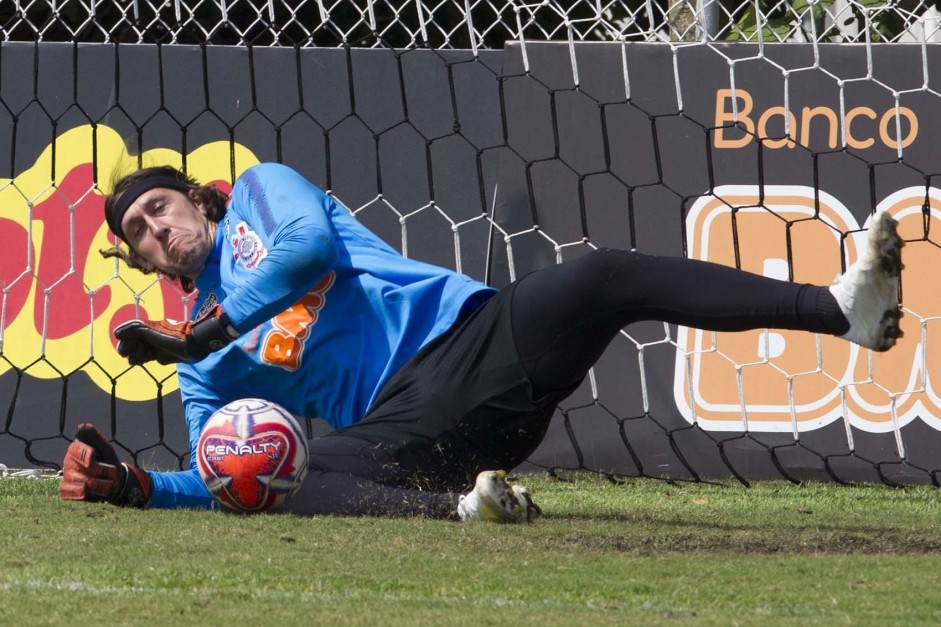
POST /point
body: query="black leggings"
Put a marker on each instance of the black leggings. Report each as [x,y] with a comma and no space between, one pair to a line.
[561,319]
[565,315]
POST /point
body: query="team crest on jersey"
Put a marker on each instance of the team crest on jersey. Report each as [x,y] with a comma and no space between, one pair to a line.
[247,247]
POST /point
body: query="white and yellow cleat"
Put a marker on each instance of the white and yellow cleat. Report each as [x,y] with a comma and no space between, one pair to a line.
[868,292]
[495,500]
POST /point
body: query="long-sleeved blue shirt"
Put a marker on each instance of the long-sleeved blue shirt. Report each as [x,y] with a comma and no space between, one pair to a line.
[326,310]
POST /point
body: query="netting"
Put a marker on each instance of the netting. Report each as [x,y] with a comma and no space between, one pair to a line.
[493,162]
[463,24]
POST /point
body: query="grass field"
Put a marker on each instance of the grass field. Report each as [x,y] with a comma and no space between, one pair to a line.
[639,553]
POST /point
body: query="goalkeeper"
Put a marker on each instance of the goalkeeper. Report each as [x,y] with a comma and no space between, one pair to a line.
[427,376]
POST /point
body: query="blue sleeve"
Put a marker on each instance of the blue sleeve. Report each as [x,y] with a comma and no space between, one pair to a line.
[185,488]
[180,489]
[291,215]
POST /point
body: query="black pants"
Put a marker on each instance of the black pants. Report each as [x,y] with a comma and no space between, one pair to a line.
[481,395]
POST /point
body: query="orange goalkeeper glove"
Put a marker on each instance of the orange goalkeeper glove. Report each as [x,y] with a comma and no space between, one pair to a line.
[92,472]
[170,342]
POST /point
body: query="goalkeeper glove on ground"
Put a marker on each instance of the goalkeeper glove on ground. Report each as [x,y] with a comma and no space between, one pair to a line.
[170,342]
[92,472]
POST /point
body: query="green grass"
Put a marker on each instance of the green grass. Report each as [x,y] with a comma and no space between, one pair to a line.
[641,553]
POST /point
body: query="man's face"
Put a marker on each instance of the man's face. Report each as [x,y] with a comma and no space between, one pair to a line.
[169,231]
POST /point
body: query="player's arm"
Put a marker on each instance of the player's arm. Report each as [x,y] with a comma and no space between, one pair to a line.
[289,216]
[186,488]
[180,489]
[93,472]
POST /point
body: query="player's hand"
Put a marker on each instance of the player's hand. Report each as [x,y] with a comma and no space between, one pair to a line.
[170,342]
[92,472]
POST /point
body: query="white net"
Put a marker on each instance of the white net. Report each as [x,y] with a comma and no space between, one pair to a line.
[492,161]
[464,24]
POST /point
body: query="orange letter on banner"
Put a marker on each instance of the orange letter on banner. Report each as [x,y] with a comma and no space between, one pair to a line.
[807,116]
[284,344]
[851,141]
[764,380]
[899,375]
[778,380]
[724,117]
[763,128]
[889,118]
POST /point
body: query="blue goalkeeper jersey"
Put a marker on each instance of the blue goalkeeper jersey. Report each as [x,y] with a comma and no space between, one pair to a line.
[327,312]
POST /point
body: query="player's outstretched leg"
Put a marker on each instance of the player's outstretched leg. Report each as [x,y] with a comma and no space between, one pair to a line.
[495,500]
[868,292]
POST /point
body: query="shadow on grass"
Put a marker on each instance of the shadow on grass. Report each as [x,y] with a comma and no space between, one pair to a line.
[649,534]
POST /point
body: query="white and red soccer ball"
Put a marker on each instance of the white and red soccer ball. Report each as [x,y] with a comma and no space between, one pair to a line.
[252,455]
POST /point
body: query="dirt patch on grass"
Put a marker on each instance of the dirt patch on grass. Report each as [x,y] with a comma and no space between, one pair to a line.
[804,542]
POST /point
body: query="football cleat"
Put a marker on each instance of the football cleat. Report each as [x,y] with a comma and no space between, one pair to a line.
[495,500]
[868,292]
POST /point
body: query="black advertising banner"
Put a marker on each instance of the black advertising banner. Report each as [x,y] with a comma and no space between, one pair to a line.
[497,164]
[654,147]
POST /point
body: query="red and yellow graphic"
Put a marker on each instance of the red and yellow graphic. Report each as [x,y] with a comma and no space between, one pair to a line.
[61,299]
[794,381]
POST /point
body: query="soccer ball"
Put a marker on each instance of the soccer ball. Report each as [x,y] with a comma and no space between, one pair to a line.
[252,455]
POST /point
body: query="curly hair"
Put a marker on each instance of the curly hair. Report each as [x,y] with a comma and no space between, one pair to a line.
[210,195]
